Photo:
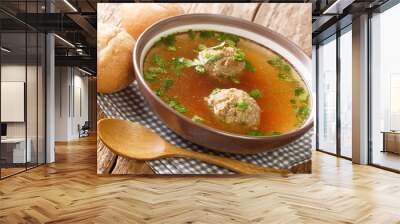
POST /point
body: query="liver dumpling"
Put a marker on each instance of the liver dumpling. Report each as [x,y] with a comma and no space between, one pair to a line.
[234,107]
[221,63]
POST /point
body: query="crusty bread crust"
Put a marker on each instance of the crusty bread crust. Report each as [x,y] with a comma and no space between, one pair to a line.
[114,60]
[116,37]
[135,18]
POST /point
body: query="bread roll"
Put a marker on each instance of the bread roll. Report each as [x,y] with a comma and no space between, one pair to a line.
[115,43]
[114,59]
[105,33]
[135,18]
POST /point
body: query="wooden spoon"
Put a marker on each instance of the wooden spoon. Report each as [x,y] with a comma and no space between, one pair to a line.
[135,141]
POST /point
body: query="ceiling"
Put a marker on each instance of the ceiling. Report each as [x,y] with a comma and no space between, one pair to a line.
[75,22]
[332,15]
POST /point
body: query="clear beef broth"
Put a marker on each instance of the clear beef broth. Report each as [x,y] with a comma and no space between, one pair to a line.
[284,99]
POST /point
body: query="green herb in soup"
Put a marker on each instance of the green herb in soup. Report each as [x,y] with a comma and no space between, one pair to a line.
[206,34]
[178,64]
[255,93]
[227,82]
[197,119]
[256,133]
[191,34]
[230,39]
[177,106]
[166,85]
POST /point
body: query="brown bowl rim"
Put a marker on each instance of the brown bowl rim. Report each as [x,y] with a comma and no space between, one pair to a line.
[249,26]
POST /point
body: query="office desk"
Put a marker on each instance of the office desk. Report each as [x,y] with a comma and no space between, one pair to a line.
[391,141]
[13,150]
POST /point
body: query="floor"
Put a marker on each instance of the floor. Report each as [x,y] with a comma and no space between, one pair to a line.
[13,170]
[10,171]
[387,159]
[69,191]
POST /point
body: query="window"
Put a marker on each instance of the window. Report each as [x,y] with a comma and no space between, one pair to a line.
[385,89]
[346,75]
[326,136]
[334,106]
[22,77]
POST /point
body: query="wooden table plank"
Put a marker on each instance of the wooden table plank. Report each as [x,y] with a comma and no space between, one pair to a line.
[105,158]
[291,20]
[273,16]
[245,11]
[129,166]
[108,13]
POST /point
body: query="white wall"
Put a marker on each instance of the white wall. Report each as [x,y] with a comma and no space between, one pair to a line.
[12,73]
[70,83]
[61,103]
[34,125]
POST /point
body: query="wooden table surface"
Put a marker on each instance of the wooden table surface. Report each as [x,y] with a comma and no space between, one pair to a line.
[291,20]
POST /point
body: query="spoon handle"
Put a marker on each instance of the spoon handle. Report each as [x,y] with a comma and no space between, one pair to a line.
[231,164]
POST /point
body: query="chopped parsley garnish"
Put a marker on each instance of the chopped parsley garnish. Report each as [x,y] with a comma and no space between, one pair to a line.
[206,34]
[285,68]
[302,113]
[177,106]
[239,55]
[260,133]
[304,98]
[150,76]
[300,104]
[256,133]
[159,61]
[200,68]
[299,91]
[230,39]
[275,62]
[276,133]
[197,119]
[201,47]
[152,73]
[157,70]
[165,86]
[168,40]
[168,83]
[159,67]
[242,106]
[230,43]
[191,34]
[255,93]
[180,63]
[160,92]
[285,72]
[215,91]
[171,48]
[248,66]
[235,80]
[284,77]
